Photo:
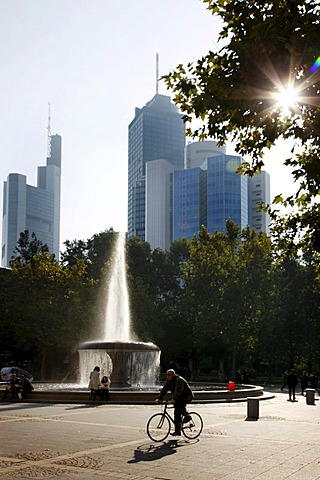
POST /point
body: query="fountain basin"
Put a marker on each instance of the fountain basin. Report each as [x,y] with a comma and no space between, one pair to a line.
[126,363]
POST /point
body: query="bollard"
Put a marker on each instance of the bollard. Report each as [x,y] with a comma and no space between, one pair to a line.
[253,408]
[310,396]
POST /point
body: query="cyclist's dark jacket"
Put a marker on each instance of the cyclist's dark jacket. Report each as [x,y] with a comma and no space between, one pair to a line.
[179,388]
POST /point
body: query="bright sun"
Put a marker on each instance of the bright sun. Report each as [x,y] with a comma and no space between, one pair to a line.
[286,98]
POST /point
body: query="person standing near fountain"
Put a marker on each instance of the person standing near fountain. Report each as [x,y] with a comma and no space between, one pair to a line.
[94,383]
[292,381]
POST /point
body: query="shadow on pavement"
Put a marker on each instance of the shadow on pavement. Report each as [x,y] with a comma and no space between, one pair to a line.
[149,453]
[93,405]
[6,407]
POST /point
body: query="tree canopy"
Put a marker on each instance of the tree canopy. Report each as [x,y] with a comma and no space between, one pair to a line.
[27,249]
[269,49]
[94,251]
[46,309]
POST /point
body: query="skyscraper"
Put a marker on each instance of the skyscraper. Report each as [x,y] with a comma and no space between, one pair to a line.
[158,204]
[36,209]
[259,192]
[189,202]
[227,193]
[209,191]
[157,132]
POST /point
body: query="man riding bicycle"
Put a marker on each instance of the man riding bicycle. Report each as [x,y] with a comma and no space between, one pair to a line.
[182,394]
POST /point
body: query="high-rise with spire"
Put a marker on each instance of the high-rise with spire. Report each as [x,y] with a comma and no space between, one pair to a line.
[36,209]
[157,132]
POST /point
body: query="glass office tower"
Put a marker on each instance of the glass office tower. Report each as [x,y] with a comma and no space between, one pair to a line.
[189,202]
[208,195]
[36,209]
[227,193]
[156,132]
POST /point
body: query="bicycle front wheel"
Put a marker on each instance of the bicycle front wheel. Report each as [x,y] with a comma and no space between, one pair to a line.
[192,428]
[158,427]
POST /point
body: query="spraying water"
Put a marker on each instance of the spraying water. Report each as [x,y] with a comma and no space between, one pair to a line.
[128,362]
[117,319]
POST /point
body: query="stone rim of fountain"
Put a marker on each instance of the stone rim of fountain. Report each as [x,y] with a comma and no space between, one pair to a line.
[119,345]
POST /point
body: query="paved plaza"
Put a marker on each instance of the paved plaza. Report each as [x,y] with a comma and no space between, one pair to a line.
[83,442]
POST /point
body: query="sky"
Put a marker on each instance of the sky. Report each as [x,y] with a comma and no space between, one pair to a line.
[94,61]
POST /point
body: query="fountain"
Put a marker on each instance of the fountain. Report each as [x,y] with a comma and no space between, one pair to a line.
[128,362]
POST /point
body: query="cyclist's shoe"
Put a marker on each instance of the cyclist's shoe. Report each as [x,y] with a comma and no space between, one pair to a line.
[175,434]
[187,419]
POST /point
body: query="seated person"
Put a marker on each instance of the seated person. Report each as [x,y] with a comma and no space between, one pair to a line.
[25,386]
[105,385]
[13,387]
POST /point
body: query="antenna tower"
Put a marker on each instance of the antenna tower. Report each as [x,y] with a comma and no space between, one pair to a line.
[157,72]
[49,131]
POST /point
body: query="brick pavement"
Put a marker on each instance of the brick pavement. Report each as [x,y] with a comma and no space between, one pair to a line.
[80,442]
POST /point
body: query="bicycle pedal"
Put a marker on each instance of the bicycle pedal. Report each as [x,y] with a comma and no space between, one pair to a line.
[190,426]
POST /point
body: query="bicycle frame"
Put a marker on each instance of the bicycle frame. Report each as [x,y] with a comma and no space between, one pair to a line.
[165,409]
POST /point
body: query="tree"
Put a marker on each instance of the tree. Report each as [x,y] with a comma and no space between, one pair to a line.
[49,309]
[225,295]
[27,249]
[144,294]
[100,249]
[95,251]
[198,312]
[298,320]
[269,49]
[7,320]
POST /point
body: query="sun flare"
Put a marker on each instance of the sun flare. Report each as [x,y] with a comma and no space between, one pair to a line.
[286,98]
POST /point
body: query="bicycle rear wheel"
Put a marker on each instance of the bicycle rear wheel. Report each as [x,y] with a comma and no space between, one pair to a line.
[193,428]
[158,427]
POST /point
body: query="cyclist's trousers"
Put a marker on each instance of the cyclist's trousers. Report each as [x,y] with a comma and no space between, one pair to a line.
[179,410]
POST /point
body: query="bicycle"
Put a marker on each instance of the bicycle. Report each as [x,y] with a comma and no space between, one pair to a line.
[159,425]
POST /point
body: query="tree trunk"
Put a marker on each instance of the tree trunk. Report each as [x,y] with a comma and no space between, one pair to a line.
[43,365]
[193,366]
[309,366]
[234,364]
[221,368]
[269,372]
